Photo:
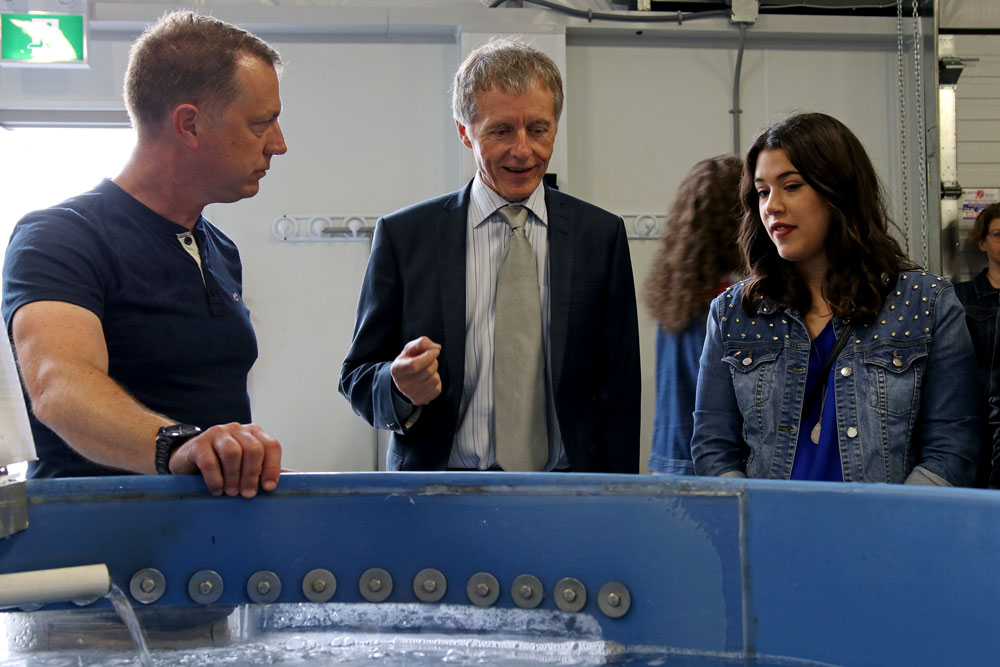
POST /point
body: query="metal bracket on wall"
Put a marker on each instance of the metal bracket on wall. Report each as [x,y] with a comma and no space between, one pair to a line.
[355,228]
[644,226]
[343,228]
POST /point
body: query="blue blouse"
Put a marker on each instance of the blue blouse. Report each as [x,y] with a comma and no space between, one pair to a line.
[819,462]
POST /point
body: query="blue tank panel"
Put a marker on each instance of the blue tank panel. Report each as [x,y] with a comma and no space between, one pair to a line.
[873,574]
[677,552]
[836,573]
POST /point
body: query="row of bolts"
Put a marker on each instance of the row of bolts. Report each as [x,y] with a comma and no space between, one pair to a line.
[375,585]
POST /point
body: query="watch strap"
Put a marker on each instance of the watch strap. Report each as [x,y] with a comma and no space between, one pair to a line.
[168,439]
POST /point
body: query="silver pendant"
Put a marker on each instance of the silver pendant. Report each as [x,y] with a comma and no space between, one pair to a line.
[814,434]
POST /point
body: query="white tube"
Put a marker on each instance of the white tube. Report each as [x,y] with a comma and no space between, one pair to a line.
[66,584]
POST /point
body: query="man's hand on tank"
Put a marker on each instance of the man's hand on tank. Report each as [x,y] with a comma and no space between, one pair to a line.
[235,459]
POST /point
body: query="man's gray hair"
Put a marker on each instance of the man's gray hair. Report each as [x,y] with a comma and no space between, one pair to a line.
[187,57]
[509,64]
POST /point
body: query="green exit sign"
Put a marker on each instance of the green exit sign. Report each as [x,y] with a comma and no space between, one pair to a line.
[44,38]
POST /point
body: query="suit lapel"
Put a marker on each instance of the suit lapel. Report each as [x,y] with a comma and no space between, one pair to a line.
[451,235]
[560,276]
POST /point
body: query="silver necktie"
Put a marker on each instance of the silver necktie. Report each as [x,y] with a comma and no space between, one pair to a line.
[522,442]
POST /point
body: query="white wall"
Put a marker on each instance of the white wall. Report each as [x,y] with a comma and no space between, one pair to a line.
[367,122]
[977,126]
[975,14]
[978,116]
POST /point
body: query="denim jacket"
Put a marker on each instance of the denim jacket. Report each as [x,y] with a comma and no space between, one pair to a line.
[905,389]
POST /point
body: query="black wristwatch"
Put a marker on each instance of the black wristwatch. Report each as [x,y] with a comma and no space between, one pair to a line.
[168,439]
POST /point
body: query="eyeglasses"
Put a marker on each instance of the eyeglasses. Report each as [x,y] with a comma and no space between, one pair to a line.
[994,234]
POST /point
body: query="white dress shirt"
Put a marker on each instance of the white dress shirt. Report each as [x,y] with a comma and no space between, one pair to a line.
[486,237]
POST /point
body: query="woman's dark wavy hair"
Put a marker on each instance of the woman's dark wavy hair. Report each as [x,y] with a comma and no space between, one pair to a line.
[698,245]
[864,261]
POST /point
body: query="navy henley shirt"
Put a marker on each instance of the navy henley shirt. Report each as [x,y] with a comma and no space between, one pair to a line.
[179,339]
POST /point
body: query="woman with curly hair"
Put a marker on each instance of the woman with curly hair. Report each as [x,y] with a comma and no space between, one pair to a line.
[837,359]
[980,297]
[695,261]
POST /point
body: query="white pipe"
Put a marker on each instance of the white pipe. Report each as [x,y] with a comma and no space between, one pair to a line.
[66,584]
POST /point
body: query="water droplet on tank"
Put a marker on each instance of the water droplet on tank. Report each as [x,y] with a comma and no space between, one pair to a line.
[297,643]
[454,655]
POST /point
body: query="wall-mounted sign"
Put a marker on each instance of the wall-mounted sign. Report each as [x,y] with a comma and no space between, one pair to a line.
[975,200]
[43,38]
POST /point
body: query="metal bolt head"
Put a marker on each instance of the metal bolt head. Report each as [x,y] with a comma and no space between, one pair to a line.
[375,584]
[319,585]
[483,589]
[570,595]
[204,586]
[148,585]
[614,599]
[263,587]
[430,585]
[526,591]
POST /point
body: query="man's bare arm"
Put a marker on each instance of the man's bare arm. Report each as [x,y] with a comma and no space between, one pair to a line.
[64,361]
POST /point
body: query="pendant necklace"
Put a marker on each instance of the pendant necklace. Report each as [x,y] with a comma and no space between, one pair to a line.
[823,378]
[814,434]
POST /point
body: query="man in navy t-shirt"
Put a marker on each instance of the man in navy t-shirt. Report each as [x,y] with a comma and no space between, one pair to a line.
[125,305]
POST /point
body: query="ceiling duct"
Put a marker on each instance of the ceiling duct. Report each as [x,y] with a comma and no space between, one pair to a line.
[806,7]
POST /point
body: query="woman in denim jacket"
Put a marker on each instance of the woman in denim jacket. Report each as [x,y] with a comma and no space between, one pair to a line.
[897,401]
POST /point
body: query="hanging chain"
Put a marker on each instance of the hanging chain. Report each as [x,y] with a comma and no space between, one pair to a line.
[918,44]
[903,138]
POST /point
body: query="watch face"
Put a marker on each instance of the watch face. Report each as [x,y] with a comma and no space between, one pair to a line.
[168,439]
[180,431]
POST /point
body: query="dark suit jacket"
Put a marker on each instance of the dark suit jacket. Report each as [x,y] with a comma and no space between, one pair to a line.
[415,286]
